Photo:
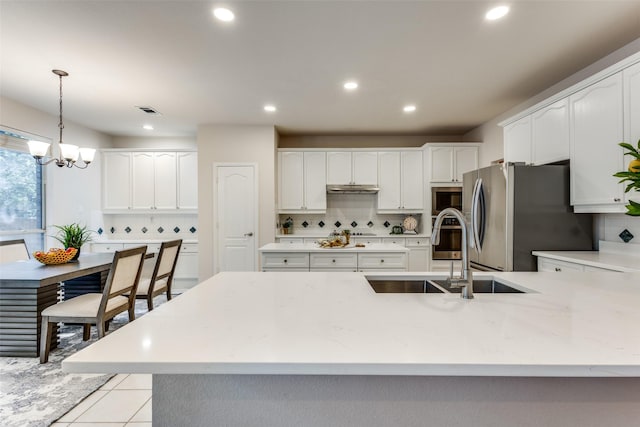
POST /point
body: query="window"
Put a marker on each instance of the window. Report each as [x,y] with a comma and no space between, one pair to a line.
[21,194]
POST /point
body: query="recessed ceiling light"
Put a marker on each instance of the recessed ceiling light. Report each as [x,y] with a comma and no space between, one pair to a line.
[351,85]
[270,108]
[223,14]
[147,127]
[409,108]
[496,13]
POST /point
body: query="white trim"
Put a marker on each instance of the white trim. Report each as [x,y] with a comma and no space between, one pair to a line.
[148,150]
[609,71]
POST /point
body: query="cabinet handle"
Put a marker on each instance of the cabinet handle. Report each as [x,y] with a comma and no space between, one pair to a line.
[558,269]
[381,260]
[616,199]
[285,261]
[333,261]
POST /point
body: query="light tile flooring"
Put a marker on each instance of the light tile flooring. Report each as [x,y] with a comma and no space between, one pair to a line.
[124,401]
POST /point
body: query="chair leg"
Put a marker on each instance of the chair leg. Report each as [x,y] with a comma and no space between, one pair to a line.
[132,312]
[45,339]
[101,326]
[86,332]
[150,302]
[106,325]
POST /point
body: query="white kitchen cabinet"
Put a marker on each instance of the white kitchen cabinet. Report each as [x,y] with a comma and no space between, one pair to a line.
[401,181]
[116,180]
[352,167]
[333,262]
[187,181]
[291,240]
[141,182]
[447,163]
[554,265]
[550,133]
[185,275]
[596,128]
[106,247]
[419,248]
[382,261]
[366,240]
[517,141]
[285,261]
[302,181]
[631,83]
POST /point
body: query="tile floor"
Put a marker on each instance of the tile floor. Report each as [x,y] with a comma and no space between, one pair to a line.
[124,401]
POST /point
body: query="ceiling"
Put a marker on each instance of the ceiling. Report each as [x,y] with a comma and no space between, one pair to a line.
[458,69]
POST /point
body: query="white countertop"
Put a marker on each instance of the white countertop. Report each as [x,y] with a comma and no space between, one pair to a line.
[612,256]
[313,247]
[573,324]
[312,235]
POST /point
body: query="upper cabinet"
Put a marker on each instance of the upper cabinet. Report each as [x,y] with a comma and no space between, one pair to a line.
[550,133]
[401,181]
[631,84]
[148,181]
[352,167]
[517,141]
[447,163]
[302,181]
[596,128]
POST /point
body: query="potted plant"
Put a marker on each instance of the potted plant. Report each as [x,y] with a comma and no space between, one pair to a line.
[632,174]
[73,236]
[287,226]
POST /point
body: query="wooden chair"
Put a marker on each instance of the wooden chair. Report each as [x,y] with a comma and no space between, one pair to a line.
[162,276]
[94,308]
[13,250]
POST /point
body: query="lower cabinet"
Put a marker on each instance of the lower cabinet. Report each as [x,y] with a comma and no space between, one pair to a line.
[382,261]
[333,261]
[549,264]
[285,261]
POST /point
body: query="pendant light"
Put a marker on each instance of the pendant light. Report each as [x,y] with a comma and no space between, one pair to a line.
[68,154]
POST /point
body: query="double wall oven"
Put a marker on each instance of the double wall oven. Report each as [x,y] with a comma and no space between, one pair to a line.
[450,247]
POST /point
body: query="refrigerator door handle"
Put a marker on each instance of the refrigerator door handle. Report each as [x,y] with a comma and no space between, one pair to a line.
[475,214]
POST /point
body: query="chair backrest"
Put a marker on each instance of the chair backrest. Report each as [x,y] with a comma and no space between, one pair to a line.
[124,275]
[13,250]
[167,260]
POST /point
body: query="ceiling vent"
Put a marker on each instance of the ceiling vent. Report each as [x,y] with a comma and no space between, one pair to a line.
[149,110]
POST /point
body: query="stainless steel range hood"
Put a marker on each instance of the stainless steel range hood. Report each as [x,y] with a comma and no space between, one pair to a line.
[352,189]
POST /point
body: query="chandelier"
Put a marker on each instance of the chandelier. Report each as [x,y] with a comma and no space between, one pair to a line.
[68,154]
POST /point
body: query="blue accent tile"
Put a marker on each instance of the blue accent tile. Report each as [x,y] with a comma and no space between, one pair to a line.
[160,230]
[100,231]
[176,230]
[370,224]
[305,224]
[113,230]
[192,229]
[144,229]
[626,235]
[354,224]
[387,224]
[128,230]
[321,224]
[338,224]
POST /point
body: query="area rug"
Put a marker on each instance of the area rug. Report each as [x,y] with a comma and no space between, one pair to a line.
[35,395]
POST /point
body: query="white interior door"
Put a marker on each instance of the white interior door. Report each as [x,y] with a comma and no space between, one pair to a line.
[236,217]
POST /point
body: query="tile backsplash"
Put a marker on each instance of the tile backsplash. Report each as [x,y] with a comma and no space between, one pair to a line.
[611,226]
[140,227]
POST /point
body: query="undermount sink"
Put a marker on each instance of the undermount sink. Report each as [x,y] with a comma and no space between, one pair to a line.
[481,286]
[427,286]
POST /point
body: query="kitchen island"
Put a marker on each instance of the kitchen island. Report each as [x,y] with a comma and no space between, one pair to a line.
[322,348]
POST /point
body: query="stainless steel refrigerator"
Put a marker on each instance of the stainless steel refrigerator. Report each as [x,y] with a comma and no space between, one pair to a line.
[516,209]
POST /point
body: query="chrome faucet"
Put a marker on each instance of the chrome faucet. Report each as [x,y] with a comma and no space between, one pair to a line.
[465,280]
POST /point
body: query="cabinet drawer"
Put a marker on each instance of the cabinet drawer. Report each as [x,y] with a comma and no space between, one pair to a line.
[366,240]
[291,240]
[106,247]
[546,264]
[417,241]
[590,268]
[189,248]
[382,260]
[285,260]
[330,260]
[396,240]
[151,247]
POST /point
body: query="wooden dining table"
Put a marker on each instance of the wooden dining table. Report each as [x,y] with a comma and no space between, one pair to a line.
[28,287]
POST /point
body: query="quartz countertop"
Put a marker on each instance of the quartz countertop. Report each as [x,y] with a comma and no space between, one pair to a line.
[312,235]
[313,247]
[611,256]
[573,324]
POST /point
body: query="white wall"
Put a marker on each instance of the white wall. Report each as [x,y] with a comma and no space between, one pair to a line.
[361,141]
[239,144]
[155,143]
[72,195]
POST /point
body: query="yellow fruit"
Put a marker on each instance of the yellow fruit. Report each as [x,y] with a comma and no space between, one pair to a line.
[634,165]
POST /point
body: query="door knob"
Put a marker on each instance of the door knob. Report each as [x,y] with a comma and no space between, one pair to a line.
[248,234]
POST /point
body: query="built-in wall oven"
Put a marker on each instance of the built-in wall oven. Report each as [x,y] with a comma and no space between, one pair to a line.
[450,247]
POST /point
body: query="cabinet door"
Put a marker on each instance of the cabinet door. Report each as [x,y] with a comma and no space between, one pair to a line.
[165,172]
[441,164]
[389,181]
[465,159]
[315,178]
[419,259]
[339,167]
[291,180]
[596,125]
[412,181]
[365,167]
[550,133]
[143,185]
[631,116]
[517,141]
[187,181]
[116,180]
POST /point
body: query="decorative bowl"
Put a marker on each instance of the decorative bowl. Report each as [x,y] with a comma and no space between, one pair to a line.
[55,256]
